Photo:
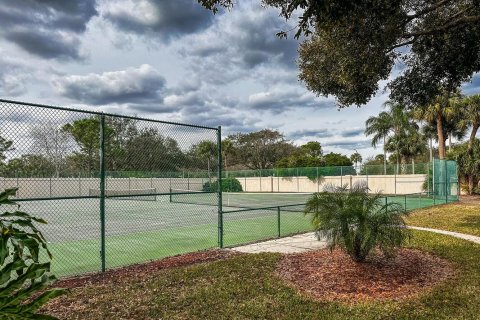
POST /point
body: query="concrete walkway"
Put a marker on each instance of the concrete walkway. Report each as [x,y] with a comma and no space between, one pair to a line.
[308,241]
[294,244]
[463,236]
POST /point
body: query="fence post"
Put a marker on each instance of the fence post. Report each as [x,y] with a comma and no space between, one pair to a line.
[278,222]
[405,203]
[298,184]
[341,177]
[260,176]
[366,173]
[50,186]
[428,180]
[220,209]
[102,191]
[446,182]
[395,177]
[318,182]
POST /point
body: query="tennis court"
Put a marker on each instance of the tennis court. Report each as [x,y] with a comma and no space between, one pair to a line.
[138,230]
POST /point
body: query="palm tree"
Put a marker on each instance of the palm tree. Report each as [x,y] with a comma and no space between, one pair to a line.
[356,220]
[379,127]
[443,112]
[429,131]
[208,150]
[471,118]
[356,157]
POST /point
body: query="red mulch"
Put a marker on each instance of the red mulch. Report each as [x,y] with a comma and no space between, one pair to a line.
[142,270]
[334,275]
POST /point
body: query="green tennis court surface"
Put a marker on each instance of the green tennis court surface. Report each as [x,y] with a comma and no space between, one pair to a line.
[138,231]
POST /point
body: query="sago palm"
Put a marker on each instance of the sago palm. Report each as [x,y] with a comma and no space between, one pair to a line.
[357,221]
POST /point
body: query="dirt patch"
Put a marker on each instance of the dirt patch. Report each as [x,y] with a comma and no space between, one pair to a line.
[333,275]
[470,200]
[119,275]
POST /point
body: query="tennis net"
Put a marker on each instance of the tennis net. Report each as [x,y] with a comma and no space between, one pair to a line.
[239,199]
[127,194]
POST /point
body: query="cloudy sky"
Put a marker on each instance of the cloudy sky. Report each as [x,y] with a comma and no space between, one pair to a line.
[172,60]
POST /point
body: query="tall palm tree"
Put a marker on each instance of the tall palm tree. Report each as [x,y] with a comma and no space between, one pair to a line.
[471,118]
[208,150]
[443,112]
[430,133]
[379,127]
[356,157]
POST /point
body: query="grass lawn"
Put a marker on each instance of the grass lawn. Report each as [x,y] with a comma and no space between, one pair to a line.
[461,217]
[246,287]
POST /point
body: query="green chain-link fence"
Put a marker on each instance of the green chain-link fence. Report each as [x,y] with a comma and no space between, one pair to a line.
[118,190]
[103,183]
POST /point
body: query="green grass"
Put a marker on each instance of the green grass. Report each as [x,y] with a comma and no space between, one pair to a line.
[246,287]
[459,217]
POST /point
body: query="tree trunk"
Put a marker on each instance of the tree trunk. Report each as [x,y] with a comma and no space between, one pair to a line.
[441,139]
[470,184]
[404,164]
[449,143]
[473,134]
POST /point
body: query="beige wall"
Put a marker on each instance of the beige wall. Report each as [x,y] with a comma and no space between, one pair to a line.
[74,187]
[388,184]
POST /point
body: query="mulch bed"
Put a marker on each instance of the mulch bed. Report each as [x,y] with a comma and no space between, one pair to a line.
[335,276]
[119,275]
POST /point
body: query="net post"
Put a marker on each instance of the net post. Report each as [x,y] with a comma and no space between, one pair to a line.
[102,191]
[278,222]
[220,209]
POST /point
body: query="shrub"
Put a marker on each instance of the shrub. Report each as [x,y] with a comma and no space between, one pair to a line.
[22,275]
[357,221]
[228,185]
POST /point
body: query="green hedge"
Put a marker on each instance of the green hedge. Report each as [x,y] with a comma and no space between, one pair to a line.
[228,185]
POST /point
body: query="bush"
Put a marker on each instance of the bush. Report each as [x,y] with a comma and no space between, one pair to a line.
[228,185]
[357,221]
[22,275]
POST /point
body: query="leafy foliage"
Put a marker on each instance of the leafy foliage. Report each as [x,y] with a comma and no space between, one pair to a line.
[261,149]
[22,275]
[5,145]
[468,164]
[228,185]
[357,221]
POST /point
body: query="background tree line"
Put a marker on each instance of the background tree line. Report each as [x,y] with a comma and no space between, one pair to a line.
[409,134]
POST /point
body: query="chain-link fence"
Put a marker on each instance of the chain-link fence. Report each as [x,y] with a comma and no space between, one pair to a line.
[103,183]
[118,190]
[390,179]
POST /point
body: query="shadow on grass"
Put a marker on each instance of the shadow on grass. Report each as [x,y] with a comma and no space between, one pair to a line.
[472,221]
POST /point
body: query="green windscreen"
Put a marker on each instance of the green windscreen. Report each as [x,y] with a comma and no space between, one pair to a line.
[445,180]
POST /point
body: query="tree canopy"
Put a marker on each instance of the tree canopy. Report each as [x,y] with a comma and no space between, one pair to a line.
[351,45]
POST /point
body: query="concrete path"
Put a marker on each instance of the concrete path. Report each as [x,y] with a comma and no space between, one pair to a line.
[294,244]
[308,241]
[450,233]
